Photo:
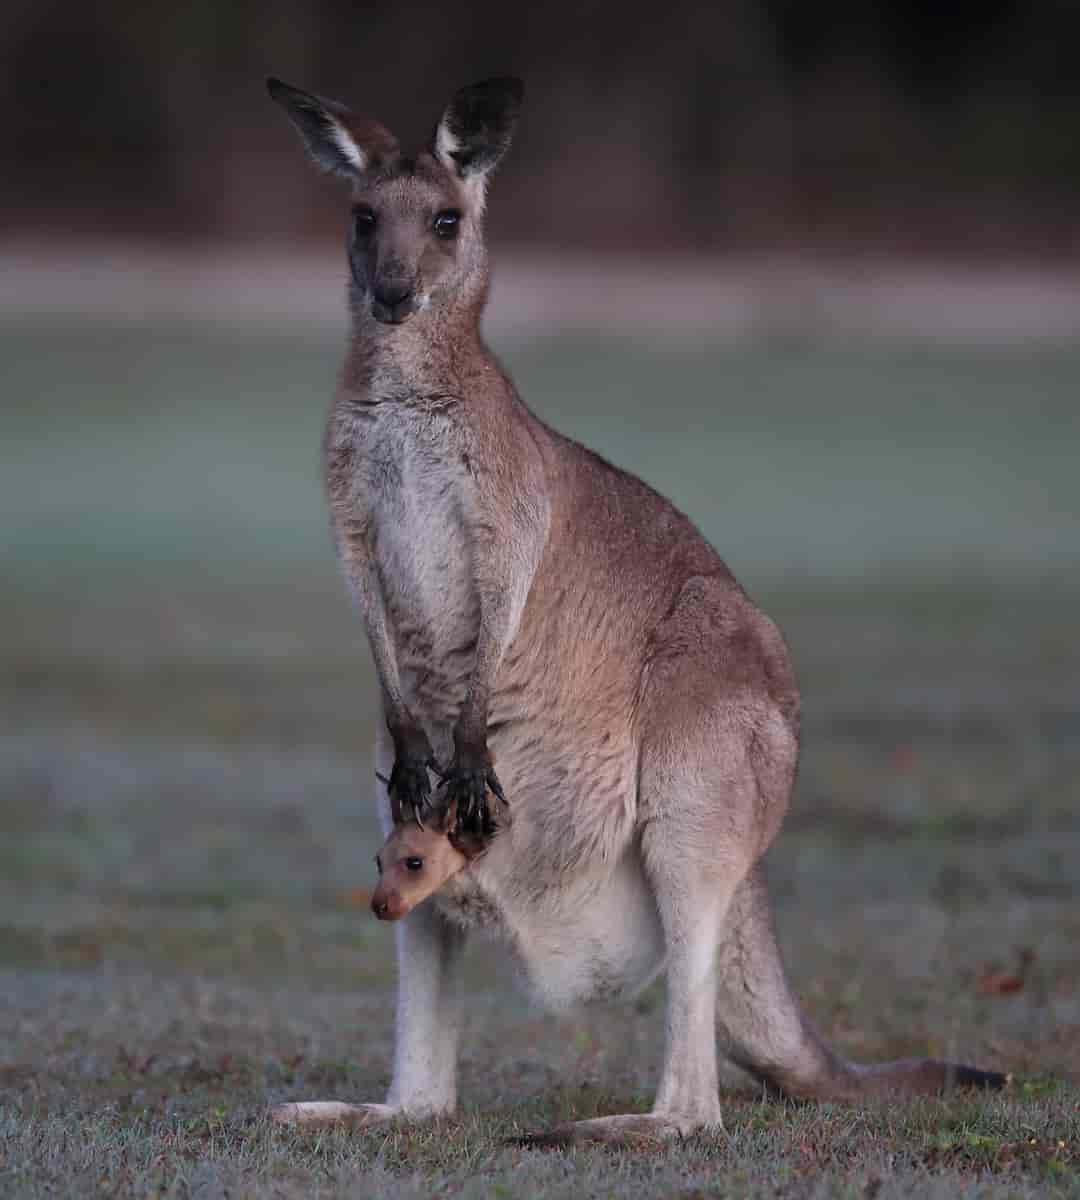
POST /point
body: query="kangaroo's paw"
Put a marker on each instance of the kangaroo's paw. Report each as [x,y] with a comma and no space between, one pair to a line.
[410,790]
[317,1113]
[641,1130]
[465,788]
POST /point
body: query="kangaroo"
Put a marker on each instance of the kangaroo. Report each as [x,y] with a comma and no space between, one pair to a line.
[530,605]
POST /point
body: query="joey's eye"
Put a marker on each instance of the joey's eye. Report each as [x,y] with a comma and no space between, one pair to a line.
[413,863]
[446,223]
[363,222]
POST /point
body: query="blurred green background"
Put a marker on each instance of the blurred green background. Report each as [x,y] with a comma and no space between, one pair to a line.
[157,449]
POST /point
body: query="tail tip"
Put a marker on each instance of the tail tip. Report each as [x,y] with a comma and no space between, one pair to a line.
[973,1077]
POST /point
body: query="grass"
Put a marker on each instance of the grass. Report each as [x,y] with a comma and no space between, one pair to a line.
[186,836]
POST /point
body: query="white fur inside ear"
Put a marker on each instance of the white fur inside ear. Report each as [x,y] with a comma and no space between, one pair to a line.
[352,152]
[446,146]
[475,183]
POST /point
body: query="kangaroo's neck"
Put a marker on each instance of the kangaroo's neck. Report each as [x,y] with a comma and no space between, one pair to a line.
[436,351]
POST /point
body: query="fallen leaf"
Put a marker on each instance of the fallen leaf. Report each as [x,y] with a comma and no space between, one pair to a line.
[903,759]
[999,983]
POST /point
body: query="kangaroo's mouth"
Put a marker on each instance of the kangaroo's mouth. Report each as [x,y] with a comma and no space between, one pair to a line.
[393,314]
[394,303]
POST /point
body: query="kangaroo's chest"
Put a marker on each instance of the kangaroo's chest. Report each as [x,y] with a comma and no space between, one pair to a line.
[407,509]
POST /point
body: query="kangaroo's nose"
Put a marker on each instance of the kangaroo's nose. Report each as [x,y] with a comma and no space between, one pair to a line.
[390,295]
[392,303]
[379,907]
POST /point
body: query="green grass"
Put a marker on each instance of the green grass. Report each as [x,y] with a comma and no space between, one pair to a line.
[186,713]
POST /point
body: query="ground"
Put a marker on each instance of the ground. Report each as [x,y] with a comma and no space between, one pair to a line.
[185,828]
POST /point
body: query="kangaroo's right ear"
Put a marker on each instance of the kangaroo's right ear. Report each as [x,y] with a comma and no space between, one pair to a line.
[336,139]
[476,128]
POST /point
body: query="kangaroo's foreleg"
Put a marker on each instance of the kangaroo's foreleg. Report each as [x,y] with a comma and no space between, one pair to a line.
[409,785]
[506,542]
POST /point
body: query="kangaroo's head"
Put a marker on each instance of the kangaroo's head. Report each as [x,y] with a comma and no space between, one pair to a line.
[416,237]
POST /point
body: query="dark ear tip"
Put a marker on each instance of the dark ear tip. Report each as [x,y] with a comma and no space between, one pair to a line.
[511,87]
[276,88]
[514,86]
[502,90]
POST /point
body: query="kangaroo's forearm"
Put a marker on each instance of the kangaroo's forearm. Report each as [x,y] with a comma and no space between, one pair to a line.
[409,788]
[405,730]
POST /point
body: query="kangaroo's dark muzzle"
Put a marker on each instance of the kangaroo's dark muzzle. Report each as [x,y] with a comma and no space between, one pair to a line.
[393,303]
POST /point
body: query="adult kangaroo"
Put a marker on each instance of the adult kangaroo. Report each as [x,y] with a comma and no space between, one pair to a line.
[535,611]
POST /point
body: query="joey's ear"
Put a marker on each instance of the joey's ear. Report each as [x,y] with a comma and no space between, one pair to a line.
[335,138]
[471,845]
[476,128]
[446,819]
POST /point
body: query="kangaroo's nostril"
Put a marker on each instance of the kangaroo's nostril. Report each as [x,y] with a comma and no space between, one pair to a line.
[393,294]
[379,907]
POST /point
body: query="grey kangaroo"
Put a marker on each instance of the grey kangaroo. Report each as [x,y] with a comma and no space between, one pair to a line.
[564,659]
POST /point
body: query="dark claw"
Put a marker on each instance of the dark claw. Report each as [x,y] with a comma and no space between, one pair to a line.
[410,790]
[467,787]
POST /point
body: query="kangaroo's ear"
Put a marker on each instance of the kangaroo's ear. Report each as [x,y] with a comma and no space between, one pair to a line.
[336,139]
[476,128]
[469,845]
[445,819]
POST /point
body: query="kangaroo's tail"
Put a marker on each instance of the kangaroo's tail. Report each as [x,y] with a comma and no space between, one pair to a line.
[765,1031]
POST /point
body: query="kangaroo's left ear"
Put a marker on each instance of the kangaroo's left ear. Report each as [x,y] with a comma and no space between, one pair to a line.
[476,128]
[337,139]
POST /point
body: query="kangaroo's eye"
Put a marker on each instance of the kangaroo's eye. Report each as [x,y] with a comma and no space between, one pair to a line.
[413,863]
[446,223]
[363,222]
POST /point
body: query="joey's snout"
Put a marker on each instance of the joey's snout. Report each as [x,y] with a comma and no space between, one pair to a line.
[387,904]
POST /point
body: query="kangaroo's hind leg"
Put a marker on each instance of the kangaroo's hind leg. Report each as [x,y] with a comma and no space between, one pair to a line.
[697,797]
[430,1009]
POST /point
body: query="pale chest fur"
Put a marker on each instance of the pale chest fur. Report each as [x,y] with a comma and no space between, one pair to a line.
[401,495]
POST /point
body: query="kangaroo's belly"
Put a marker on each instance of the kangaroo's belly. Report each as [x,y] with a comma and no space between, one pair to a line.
[605,944]
[589,938]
